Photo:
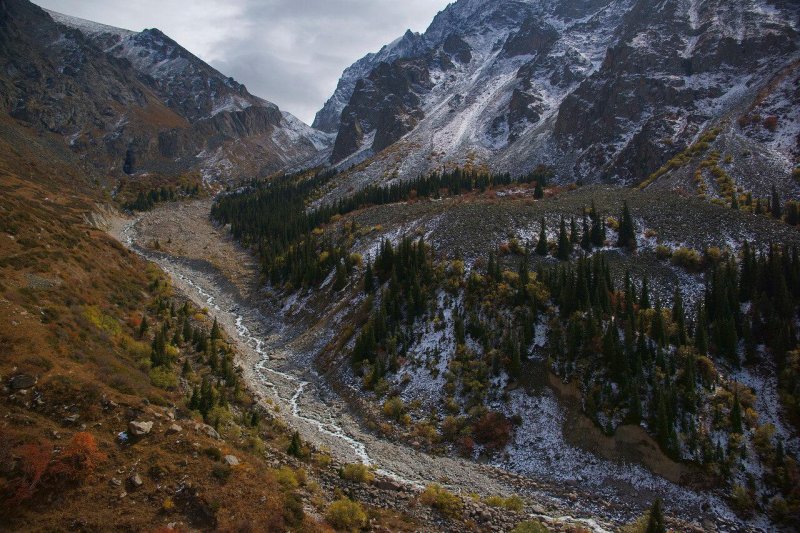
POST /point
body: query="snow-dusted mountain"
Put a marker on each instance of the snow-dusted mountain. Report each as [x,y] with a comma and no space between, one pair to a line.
[599,89]
[138,102]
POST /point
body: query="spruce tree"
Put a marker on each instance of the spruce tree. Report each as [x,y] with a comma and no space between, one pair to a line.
[215,334]
[564,247]
[775,204]
[295,448]
[538,191]
[586,238]
[143,326]
[655,522]
[573,231]
[541,246]
[369,279]
[627,229]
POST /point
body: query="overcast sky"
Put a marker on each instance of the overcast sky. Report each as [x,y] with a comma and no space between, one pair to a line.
[290,52]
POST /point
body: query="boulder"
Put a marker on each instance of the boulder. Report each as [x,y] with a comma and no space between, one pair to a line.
[174,428]
[136,480]
[208,431]
[230,460]
[22,381]
[138,428]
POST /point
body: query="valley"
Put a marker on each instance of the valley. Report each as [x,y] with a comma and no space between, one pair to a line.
[535,268]
[277,359]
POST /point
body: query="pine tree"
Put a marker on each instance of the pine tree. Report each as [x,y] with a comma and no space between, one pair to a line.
[538,191]
[573,231]
[564,247]
[775,204]
[215,334]
[701,332]
[143,326]
[586,240]
[598,237]
[655,522]
[627,229]
[187,330]
[369,279]
[542,246]
[295,446]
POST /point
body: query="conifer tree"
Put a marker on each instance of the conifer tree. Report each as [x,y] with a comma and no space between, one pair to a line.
[369,279]
[215,334]
[586,238]
[573,232]
[627,229]
[542,246]
[655,522]
[564,247]
[538,191]
[295,448]
[143,326]
[775,204]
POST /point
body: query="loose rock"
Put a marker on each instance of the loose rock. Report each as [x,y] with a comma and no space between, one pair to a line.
[139,429]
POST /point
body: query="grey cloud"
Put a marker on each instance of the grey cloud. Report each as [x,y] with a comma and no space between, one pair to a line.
[290,52]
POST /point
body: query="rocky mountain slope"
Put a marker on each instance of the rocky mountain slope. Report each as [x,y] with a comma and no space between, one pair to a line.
[598,89]
[133,103]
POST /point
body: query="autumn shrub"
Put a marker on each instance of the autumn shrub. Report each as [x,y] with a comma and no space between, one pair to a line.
[771,123]
[492,430]
[346,515]
[357,472]
[512,503]
[442,500]
[688,259]
[530,526]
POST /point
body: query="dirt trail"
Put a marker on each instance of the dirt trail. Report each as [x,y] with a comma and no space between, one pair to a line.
[211,269]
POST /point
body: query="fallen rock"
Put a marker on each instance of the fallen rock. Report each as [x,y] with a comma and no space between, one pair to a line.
[22,381]
[230,460]
[136,480]
[174,428]
[138,428]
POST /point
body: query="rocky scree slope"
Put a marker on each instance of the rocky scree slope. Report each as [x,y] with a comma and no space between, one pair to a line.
[137,103]
[599,89]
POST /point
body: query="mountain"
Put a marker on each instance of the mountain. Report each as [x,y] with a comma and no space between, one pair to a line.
[134,103]
[601,90]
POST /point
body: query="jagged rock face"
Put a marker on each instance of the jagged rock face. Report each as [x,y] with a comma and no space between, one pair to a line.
[386,104]
[327,119]
[599,89]
[132,102]
[672,60]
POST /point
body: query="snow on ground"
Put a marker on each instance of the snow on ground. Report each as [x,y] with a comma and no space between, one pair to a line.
[539,449]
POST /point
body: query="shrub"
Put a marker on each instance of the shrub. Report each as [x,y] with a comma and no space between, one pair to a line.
[346,515]
[663,252]
[287,478]
[163,378]
[530,526]
[493,430]
[394,408]
[512,503]
[357,472]
[442,500]
[771,123]
[687,258]
[742,500]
